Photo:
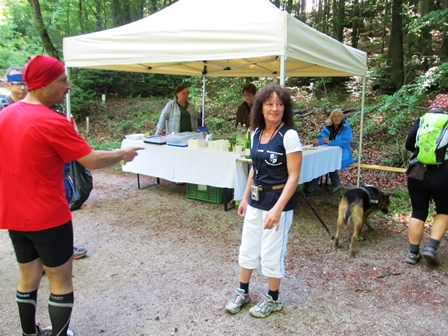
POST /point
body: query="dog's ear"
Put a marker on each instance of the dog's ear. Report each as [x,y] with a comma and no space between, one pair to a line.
[389,193]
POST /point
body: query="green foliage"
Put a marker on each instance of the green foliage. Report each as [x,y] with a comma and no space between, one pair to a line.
[396,155]
[432,20]
[19,39]
[392,113]
[220,128]
[103,145]
[400,201]
[88,86]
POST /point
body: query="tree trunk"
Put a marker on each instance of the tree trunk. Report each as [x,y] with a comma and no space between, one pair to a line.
[42,30]
[338,19]
[411,41]
[385,25]
[81,16]
[425,40]
[115,11]
[301,10]
[395,50]
[356,23]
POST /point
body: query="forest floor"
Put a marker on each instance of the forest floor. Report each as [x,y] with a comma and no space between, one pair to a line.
[162,264]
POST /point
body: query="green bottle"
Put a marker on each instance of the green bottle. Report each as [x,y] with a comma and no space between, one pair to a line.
[247,146]
[230,144]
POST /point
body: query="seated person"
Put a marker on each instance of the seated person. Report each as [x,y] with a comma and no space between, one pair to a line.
[336,132]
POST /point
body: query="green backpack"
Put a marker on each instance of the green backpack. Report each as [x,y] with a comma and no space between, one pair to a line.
[432,138]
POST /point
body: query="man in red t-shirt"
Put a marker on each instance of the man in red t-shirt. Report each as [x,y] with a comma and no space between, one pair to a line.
[35,143]
[15,84]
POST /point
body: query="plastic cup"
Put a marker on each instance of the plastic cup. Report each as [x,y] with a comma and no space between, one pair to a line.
[239,150]
[224,145]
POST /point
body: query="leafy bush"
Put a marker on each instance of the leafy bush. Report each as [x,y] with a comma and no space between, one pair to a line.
[88,86]
[392,113]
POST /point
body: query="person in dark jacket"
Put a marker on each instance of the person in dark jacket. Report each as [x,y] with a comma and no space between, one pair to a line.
[243,111]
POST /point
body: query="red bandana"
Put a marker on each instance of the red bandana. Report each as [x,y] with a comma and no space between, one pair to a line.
[41,71]
[440,102]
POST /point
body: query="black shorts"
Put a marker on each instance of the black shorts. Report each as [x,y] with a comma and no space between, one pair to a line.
[53,246]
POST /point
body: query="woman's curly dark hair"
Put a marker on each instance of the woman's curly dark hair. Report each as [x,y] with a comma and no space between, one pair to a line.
[256,112]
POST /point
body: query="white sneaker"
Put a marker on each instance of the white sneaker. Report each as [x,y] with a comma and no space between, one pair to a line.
[266,307]
[239,299]
[48,331]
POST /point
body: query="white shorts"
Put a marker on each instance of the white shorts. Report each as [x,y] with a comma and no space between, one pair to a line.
[265,247]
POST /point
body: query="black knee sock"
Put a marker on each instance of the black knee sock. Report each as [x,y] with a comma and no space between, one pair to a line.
[27,312]
[245,286]
[414,249]
[60,309]
[434,244]
[273,295]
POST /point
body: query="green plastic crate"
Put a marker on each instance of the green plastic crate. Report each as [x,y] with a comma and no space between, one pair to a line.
[206,193]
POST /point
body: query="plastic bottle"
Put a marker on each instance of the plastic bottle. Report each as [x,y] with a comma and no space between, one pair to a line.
[244,131]
[247,146]
[230,144]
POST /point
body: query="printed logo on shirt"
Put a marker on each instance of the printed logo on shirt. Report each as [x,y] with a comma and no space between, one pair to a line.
[273,158]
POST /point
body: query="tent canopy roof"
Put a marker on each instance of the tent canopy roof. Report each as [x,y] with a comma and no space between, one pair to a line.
[225,38]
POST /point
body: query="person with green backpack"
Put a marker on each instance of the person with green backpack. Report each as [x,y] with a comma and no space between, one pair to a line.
[428,179]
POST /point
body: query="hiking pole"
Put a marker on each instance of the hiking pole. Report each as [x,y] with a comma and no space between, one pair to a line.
[317,215]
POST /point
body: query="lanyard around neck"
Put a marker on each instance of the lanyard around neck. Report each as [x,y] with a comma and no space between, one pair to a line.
[255,161]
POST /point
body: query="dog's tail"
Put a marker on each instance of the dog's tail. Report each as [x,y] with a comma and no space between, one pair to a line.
[347,214]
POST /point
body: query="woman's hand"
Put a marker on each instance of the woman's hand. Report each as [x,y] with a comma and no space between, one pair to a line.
[272,219]
[326,140]
[315,142]
[242,208]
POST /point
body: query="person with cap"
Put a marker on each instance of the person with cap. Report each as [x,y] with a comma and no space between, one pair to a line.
[18,90]
[35,143]
[15,85]
[433,184]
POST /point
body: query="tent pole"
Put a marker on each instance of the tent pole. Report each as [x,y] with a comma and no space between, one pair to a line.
[282,70]
[67,98]
[203,100]
[360,129]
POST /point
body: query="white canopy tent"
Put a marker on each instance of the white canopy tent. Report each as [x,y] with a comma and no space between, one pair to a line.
[227,38]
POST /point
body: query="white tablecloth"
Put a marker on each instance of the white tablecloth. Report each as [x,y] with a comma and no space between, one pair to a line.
[218,168]
[184,164]
[316,161]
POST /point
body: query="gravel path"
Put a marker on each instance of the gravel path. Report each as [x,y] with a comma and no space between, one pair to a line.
[162,264]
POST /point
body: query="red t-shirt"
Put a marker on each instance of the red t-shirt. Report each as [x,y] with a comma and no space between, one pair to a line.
[34,144]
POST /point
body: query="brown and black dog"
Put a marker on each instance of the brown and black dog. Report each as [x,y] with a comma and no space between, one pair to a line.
[357,204]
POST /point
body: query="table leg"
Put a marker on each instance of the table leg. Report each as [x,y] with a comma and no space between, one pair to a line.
[301,193]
